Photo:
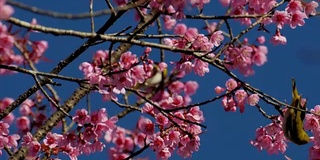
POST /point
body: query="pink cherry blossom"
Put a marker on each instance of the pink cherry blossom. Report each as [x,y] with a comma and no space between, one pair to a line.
[139,139]
[261,39]
[26,139]
[23,123]
[310,8]
[240,95]
[278,38]
[161,119]
[200,67]
[297,19]
[191,87]
[157,143]
[231,84]
[146,126]
[280,18]
[216,38]
[176,86]
[180,28]
[4,128]
[229,104]
[34,148]
[169,22]
[148,108]
[12,140]
[99,116]
[253,99]
[219,90]
[81,117]
[294,6]
[127,60]
[5,11]
[52,139]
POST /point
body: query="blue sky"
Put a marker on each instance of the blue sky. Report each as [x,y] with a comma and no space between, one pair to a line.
[228,134]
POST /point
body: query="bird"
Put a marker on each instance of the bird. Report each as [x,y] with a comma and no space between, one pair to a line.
[292,125]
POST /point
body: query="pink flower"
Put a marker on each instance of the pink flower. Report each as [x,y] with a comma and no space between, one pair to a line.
[297,19]
[186,67]
[311,122]
[225,3]
[169,22]
[5,11]
[240,95]
[139,139]
[190,87]
[219,90]
[127,60]
[229,104]
[156,143]
[25,110]
[176,86]
[314,153]
[12,140]
[88,134]
[52,140]
[161,119]
[97,146]
[23,123]
[26,139]
[128,144]
[81,117]
[9,118]
[278,38]
[180,29]
[3,141]
[39,48]
[172,138]
[34,148]
[177,100]
[99,116]
[4,128]
[164,153]
[261,39]
[199,3]
[195,114]
[148,108]
[200,67]
[259,57]
[231,84]
[253,99]
[216,38]
[191,34]
[146,126]
[294,6]
[5,102]
[280,18]
[310,8]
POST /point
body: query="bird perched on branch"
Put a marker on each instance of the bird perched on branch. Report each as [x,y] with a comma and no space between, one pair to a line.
[293,119]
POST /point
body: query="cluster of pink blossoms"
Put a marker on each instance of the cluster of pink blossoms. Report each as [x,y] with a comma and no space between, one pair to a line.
[272,139]
[7,140]
[236,97]
[294,14]
[7,54]
[193,40]
[5,10]
[243,57]
[127,73]
[169,137]
[85,139]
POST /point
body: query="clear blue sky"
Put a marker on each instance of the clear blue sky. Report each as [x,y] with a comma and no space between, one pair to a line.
[228,134]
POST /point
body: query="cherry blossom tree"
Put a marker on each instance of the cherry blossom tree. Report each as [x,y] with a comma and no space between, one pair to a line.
[143,69]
